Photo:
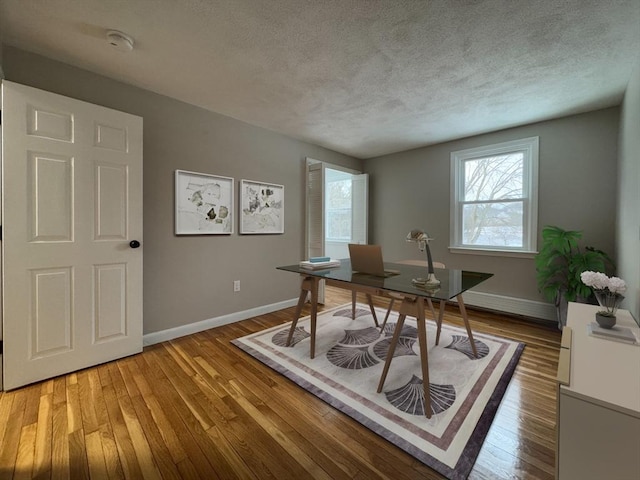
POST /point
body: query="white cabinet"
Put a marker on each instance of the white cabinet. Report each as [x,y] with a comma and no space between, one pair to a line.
[598,409]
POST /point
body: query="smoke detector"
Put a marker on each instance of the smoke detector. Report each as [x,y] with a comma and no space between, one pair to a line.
[120,41]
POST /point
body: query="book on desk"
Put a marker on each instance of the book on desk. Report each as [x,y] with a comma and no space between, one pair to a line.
[319,265]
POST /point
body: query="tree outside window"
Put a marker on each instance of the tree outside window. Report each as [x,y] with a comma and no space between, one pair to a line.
[338,210]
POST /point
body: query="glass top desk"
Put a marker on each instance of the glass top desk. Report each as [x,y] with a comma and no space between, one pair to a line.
[453,283]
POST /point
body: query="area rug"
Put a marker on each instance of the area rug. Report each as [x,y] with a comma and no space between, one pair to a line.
[350,354]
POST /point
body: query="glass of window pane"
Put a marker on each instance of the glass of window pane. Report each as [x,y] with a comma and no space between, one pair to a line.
[494,178]
[494,224]
[339,224]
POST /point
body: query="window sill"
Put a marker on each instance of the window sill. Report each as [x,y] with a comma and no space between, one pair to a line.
[493,253]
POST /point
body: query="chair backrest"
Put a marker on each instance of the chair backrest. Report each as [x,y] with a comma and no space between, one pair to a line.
[366,259]
[420,263]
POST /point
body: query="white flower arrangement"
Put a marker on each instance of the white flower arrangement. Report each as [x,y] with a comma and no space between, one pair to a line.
[608,290]
[599,281]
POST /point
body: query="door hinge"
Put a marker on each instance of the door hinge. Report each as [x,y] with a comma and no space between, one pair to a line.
[0,347]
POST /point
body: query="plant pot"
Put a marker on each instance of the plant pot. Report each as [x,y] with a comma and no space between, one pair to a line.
[605,321]
[562,306]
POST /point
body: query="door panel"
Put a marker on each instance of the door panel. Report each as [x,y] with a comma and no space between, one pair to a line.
[50,197]
[48,124]
[110,315]
[50,316]
[111,205]
[72,201]
[109,136]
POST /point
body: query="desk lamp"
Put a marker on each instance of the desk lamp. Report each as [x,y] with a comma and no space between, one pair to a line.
[422,238]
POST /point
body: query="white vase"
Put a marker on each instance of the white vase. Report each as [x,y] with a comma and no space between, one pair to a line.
[609,301]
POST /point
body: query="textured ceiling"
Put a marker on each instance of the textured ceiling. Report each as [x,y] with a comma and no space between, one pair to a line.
[362,77]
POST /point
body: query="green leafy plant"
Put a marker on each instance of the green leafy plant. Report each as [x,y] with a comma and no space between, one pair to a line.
[560,262]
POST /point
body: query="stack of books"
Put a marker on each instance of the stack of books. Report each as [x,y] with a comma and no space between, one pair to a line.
[619,334]
[319,263]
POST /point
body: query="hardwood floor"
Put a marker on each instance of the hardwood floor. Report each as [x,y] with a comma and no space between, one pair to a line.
[198,407]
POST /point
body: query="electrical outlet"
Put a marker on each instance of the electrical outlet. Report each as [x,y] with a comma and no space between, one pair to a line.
[236,285]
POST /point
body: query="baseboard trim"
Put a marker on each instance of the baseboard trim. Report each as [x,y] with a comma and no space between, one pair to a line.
[517,306]
[500,303]
[172,333]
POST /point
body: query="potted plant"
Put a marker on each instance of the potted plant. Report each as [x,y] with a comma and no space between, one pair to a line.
[559,264]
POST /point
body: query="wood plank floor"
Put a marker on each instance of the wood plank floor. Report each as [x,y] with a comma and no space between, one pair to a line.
[198,407]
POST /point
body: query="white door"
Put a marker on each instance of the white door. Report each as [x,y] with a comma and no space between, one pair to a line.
[72,203]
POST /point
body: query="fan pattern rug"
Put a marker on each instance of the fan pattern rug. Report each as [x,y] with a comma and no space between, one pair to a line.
[350,353]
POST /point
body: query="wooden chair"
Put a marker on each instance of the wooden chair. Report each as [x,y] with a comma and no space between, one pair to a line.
[397,296]
[393,296]
[354,301]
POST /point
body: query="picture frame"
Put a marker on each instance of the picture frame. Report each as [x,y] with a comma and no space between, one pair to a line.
[203,204]
[261,208]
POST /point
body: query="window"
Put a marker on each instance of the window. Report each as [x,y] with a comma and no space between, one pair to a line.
[494,198]
[338,209]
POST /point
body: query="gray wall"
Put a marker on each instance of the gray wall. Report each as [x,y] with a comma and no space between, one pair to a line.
[577,191]
[189,278]
[628,231]
[1,70]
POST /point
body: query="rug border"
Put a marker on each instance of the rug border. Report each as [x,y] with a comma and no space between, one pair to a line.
[473,446]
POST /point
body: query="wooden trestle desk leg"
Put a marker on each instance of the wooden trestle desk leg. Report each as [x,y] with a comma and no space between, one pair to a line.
[415,308]
[309,285]
[463,311]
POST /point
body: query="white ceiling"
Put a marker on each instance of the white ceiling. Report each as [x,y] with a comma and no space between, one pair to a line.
[362,77]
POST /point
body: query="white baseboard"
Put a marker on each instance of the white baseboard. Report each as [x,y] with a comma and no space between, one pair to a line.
[171,333]
[517,306]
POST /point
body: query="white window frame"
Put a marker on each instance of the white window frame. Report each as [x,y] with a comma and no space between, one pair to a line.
[529,147]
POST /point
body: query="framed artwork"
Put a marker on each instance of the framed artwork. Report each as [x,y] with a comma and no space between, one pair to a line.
[261,207]
[204,204]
